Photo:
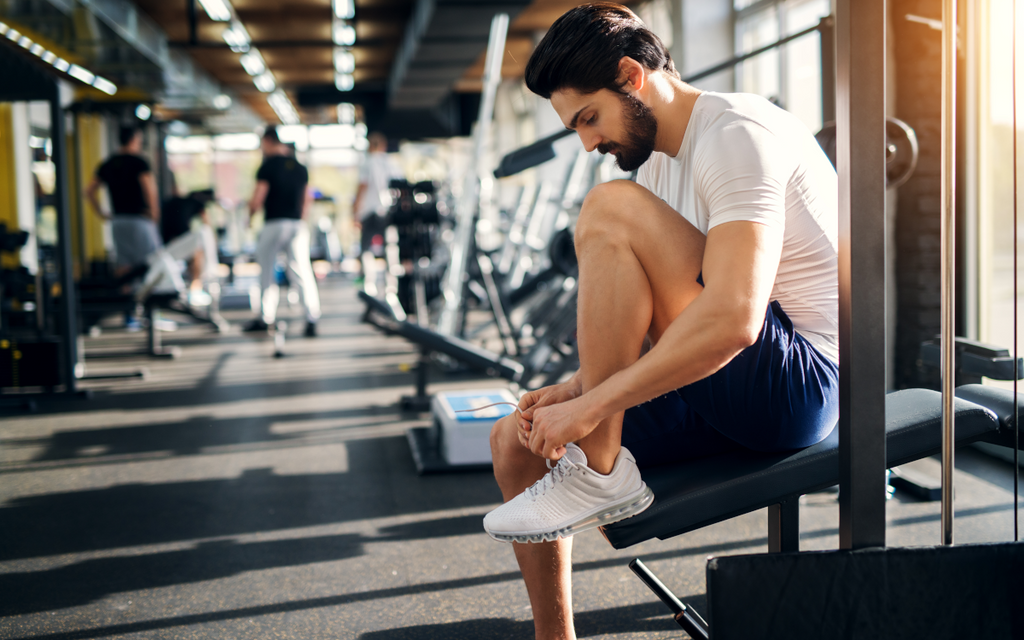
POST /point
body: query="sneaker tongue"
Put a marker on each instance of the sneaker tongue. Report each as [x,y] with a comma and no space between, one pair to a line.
[575,454]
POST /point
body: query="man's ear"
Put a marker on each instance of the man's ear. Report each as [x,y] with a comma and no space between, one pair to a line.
[632,75]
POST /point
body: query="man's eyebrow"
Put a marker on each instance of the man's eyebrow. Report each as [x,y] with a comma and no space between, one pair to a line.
[572,123]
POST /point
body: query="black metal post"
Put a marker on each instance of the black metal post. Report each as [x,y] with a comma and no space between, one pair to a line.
[784,526]
[827,29]
[193,39]
[69,324]
[860,117]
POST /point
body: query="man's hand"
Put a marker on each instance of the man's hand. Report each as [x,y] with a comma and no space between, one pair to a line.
[557,425]
[544,397]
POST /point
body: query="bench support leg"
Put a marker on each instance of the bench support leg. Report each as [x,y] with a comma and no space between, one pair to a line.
[685,617]
[784,526]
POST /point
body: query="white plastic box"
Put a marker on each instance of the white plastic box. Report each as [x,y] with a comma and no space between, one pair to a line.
[465,436]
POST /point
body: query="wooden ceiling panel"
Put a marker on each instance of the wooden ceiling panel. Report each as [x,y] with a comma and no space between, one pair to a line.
[285,58]
[294,37]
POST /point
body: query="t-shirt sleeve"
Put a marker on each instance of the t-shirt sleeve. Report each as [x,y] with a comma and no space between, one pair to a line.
[103,172]
[741,171]
[142,166]
[263,173]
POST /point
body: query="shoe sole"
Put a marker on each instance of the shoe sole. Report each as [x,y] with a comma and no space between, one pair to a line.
[607,515]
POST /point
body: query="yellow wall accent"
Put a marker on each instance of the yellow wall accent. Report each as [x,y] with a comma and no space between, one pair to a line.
[8,185]
[90,134]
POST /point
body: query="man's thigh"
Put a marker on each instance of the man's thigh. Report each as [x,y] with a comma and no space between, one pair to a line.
[778,394]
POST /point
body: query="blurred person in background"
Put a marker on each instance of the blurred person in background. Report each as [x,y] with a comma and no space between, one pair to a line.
[135,214]
[281,192]
[373,199]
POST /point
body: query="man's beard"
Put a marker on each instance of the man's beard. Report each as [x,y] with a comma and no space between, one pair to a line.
[641,130]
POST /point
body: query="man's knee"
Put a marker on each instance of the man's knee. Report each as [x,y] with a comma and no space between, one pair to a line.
[504,447]
[609,209]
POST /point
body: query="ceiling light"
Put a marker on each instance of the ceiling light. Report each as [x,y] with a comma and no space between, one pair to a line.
[218,10]
[222,102]
[142,112]
[236,37]
[344,81]
[345,8]
[282,106]
[37,49]
[253,63]
[24,42]
[60,64]
[346,113]
[265,82]
[344,61]
[49,57]
[79,73]
[343,33]
[12,34]
[104,85]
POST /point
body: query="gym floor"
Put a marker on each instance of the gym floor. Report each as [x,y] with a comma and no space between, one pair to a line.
[233,495]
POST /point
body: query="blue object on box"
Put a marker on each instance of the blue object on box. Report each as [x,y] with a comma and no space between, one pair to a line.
[460,404]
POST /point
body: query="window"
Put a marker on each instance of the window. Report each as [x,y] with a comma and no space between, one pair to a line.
[791,74]
[992,67]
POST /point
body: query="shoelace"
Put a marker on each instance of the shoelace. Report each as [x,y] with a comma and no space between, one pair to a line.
[548,481]
[555,474]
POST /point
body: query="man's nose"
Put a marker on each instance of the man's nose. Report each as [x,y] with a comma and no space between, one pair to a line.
[590,140]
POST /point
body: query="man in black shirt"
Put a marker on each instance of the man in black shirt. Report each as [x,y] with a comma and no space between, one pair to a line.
[281,193]
[133,198]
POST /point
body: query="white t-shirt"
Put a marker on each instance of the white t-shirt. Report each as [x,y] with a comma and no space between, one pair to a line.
[376,173]
[743,158]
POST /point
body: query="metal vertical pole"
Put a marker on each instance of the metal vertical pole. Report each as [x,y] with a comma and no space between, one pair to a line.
[69,328]
[860,131]
[827,35]
[947,258]
[477,185]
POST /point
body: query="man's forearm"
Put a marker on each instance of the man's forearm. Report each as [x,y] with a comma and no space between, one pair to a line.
[702,340]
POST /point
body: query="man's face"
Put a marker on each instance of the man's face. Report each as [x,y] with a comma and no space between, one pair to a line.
[610,122]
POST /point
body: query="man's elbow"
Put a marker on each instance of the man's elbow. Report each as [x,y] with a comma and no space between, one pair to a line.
[744,328]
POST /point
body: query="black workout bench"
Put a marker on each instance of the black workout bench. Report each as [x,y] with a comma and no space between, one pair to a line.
[698,493]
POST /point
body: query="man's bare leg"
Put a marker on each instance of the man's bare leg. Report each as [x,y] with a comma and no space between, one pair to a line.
[639,261]
[547,566]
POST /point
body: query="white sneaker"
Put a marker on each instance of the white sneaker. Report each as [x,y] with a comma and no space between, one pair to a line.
[571,498]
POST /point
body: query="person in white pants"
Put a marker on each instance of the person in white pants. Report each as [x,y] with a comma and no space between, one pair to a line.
[281,192]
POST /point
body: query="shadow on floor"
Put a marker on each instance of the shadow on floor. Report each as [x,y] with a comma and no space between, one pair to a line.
[381,482]
[633,618]
[91,580]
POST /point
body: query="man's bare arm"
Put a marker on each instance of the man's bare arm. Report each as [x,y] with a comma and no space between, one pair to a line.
[91,193]
[740,263]
[150,193]
[360,194]
[259,196]
[307,203]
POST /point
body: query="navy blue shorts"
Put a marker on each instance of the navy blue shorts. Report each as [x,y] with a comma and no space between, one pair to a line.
[778,394]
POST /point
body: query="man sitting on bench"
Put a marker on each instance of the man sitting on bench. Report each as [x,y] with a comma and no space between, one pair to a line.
[722,258]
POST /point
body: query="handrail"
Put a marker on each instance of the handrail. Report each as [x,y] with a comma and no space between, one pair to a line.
[732,62]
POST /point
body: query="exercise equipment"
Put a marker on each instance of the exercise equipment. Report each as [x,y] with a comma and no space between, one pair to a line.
[901,150]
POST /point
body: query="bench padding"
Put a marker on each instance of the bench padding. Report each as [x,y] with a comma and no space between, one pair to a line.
[698,493]
[999,401]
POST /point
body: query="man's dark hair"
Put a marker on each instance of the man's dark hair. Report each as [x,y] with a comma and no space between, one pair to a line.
[270,134]
[126,134]
[583,48]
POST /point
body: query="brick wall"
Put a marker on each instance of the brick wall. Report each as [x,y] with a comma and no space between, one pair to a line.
[918,103]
